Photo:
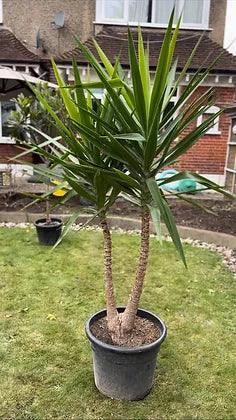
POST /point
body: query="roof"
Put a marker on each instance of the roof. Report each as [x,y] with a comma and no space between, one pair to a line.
[113,41]
[12,50]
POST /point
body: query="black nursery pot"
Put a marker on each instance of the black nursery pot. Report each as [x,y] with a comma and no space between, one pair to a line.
[124,373]
[48,233]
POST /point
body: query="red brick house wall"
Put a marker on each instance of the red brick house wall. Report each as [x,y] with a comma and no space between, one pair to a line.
[208,156]
[9,151]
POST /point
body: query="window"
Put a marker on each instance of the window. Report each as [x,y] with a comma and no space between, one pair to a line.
[215,128]
[5,132]
[97,97]
[1,17]
[153,12]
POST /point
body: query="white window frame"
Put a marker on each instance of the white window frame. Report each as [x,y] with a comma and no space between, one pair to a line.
[1,12]
[25,68]
[100,16]
[4,140]
[214,130]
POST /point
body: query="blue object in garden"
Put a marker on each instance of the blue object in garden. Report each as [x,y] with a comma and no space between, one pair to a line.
[171,186]
[184,185]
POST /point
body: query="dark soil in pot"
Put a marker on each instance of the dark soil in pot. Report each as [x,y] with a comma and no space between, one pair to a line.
[126,372]
[145,332]
[48,231]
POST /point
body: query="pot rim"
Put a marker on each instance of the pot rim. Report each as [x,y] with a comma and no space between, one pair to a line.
[56,219]
[127,350]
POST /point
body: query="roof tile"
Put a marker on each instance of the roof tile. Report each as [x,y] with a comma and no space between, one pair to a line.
[12,50]
[113,41]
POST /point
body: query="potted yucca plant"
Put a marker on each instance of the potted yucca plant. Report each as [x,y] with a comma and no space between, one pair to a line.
[118,149]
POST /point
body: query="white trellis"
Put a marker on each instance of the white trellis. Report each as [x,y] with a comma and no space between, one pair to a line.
[230,169]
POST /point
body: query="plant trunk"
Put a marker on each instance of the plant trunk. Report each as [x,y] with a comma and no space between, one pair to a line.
[48,218]
[128,317]
[112,313]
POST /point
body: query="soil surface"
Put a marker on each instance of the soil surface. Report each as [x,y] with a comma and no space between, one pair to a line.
[144,332]
[223,219]
[52,223]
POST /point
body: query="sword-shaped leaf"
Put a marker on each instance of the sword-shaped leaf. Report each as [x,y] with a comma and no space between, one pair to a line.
[137,83]
[144,70]
[156,218]
[189,140]
[160,202]
[69,103]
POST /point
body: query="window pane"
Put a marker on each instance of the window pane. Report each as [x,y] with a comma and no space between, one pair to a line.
[6,108]
[162,10]
[193,10]
[138,10]
[114,9]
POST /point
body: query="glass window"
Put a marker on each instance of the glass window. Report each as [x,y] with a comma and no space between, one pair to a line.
[192,12]
[114,9]
[215,129]
[139,10]
[162,10]
[1,17]
[97,98]
[5,110]
[155,12]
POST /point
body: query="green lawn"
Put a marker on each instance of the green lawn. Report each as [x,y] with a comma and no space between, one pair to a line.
[46,369]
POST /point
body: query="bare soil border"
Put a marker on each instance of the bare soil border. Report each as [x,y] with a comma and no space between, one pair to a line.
[127,223]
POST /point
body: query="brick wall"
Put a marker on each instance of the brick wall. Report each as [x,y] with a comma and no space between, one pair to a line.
[9,151]
[209,154]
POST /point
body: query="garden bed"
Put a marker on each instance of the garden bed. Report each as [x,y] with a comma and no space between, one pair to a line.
[46,367]
[224,219]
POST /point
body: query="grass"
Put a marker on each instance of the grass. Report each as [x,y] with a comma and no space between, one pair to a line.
[46,368]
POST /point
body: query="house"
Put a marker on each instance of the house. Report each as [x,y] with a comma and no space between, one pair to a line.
[230,169]
[14,56]
[53,24]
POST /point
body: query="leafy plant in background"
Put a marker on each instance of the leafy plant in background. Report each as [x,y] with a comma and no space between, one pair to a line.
[119,148]
[29,111]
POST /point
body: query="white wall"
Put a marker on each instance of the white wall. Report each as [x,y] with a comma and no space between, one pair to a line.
[230,27]
[219,179]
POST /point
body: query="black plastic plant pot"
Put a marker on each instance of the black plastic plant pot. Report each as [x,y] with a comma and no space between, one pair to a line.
[124,373]
[48,232]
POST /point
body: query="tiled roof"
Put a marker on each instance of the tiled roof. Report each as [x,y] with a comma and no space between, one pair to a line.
[113,41]
[12,50]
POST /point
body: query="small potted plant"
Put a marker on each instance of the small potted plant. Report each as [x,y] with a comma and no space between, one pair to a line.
[120,148]
[49,228]
[27,116]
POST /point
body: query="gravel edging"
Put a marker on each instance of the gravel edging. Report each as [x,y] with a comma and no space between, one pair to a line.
[127,223]
[228,254]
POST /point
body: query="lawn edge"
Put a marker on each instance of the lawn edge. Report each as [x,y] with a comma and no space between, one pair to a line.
[127,223]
